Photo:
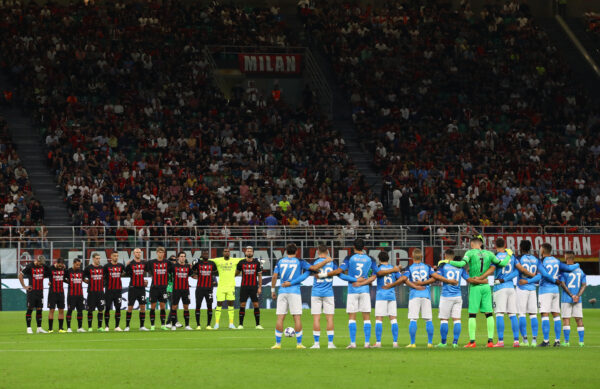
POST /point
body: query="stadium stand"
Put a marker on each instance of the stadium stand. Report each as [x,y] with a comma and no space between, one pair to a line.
[19,207]
[139,138]
[459,110]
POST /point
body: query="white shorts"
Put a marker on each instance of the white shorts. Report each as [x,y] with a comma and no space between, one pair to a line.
[505,301]
[289,302]
[419,305]
[358,302]
[569,310]
[526,302]
[450,307]
[549,302]
[386,308]
[320,305]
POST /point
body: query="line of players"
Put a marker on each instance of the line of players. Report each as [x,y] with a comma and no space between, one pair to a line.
[360,270]
[169,279]
[527,268]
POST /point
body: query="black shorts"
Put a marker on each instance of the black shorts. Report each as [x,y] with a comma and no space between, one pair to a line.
[204,293]
[75,303]
[35,299]
[183,295]
[158,293]
[56,300]
[95,300]
[113,298]
[248,291]
[136,294]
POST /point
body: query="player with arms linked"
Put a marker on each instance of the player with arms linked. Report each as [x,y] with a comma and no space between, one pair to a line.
[549,297]
[322,299]
[451,299]
[574,284]
[291,271]
[526,292]
[482,263]
[362,267]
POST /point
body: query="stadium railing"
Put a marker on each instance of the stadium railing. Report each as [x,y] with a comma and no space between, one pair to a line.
[269,241]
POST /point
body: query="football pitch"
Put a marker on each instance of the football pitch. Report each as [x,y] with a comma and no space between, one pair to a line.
[243,359]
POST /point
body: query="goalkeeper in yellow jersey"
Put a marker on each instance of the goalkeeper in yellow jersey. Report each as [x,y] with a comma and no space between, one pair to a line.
[226,267]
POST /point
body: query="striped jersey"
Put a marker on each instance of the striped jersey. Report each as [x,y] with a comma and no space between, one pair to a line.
[57,279]
[180,277]
[159,271]
[95,277]
[112,276]
[250,270]
[35,275]
[74,278]
[136,271]
[205,271]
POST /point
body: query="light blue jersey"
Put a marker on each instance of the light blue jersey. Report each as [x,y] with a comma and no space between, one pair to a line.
[289,268]
[359,265]
[507,273]
[323,287]
[573,280]
[452,273]
[386,294]
[531,264]
[415,273]
[550,271]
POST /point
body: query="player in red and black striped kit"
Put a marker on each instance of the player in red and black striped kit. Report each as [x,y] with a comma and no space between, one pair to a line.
[93,275]
[137,288]
[35,273]
[251,287]
[113,290]
[74,277]
[204,271]
[56,294]
[159,270]
[181,291]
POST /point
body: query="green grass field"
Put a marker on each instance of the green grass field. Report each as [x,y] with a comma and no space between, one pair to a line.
[242,358]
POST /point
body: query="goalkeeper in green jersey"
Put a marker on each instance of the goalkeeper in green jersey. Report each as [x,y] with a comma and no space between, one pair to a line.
[226,267]
[482,263]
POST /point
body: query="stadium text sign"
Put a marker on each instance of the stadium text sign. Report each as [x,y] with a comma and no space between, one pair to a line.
[581,245]
[270,63]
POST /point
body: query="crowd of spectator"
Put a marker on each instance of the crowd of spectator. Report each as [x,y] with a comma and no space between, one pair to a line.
[18,207]
[471,118]
[140,139]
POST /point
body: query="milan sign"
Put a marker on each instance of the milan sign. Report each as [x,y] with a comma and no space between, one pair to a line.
[270,63]
[582,245]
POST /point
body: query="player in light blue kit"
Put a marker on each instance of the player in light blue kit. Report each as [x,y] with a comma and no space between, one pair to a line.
[451,299]
[549,298]
[574,284]
[385,299]
[505,298]
[359,265]
[322,300]
[292,271]
[419,301]
[526,297]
